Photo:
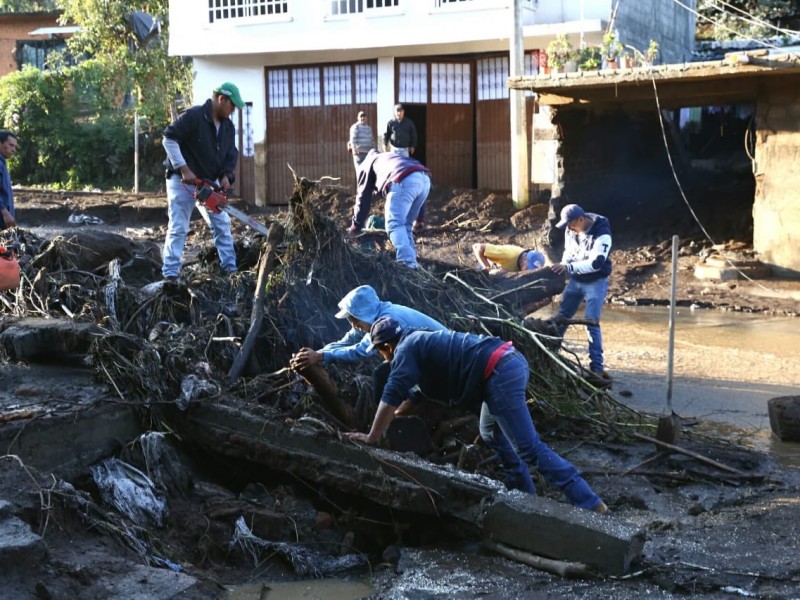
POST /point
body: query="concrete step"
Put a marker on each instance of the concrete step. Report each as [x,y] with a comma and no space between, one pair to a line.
[723,271]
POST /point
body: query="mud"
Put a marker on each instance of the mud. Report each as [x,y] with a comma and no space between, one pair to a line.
[708,536]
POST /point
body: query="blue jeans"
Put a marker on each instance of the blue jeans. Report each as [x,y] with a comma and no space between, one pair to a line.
[594,294]
[181,204]
[403,204]
[507,428]
[358,158]
[401,151]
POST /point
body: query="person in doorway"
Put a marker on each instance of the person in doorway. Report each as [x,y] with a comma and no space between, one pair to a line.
[362,139]
[8,147]
[507,257]
[406,184]
[200,145]
[485,375]
[400,136]
[362,307]
[587,245]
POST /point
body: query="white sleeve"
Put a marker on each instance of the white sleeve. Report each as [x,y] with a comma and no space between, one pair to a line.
[174,153]
[597,257]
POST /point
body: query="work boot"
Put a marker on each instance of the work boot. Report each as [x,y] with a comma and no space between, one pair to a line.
[418,227]
[601,508]
[600,379]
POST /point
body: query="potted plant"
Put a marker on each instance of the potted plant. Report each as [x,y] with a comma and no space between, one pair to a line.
[590,58]
[559,51]
[650,54]
[571,66]
[611,49]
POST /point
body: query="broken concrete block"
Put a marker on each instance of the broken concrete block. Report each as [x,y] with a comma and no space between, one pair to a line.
[18,544]
[555,530]
[47,340]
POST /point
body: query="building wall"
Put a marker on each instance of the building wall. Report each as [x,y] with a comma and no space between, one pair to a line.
[17,27]
[776,213]
[671,25]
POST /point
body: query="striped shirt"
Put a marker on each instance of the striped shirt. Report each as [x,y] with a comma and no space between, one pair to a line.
[361,138]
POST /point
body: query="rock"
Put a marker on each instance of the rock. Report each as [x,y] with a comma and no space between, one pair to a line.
[784,417]
[19,545]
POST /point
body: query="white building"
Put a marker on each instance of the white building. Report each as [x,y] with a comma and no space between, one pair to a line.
[306,67]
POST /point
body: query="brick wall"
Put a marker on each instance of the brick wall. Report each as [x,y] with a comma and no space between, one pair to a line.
[17,27]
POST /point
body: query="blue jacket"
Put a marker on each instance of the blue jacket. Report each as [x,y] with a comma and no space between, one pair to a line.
[208,153]
[363,303]
[6,193]
[586,255]
[447,365]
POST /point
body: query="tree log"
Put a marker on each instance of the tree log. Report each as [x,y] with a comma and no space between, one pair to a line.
[526,291]
[318,378]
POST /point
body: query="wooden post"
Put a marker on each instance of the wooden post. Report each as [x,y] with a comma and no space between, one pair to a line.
[267,262]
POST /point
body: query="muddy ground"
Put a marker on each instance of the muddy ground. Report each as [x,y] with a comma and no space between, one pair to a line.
[707,535]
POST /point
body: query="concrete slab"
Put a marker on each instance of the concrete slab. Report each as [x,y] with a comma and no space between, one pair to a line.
[556,530]
[46,340]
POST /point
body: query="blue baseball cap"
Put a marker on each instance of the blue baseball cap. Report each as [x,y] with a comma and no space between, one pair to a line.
[534,260]
[569,213]
[385,329]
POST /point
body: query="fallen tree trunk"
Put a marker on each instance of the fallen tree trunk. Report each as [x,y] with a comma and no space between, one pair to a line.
[537,525]
[318,378]
[526,291]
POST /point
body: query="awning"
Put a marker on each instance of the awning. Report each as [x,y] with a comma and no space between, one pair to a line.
[53,31]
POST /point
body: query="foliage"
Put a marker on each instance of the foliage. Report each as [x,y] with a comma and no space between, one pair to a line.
[611,47]
[71,133]
[651,53]
[145,66]
[24,6]
[559,51]
[590,58]
[740,18]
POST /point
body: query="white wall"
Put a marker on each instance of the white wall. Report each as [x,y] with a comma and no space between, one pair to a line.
[559,11]
[308,27]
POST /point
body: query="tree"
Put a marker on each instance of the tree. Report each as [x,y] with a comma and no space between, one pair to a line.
[740,19]
[107,38]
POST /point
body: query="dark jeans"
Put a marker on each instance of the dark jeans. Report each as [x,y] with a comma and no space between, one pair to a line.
[507,428]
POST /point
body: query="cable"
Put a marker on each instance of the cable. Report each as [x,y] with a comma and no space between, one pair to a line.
[725,27]
[683,194]
[753,19]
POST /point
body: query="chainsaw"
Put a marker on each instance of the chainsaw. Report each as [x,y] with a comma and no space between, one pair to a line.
[215,199]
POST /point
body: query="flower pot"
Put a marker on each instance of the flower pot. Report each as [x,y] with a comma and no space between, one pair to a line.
[571,66]
[612,64]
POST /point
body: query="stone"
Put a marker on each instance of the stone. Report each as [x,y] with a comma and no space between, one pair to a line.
[18,544]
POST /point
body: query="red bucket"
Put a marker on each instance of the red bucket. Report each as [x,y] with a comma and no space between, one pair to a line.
[9,270]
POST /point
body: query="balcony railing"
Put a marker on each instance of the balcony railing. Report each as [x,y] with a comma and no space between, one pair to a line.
[241,10]
[339,8]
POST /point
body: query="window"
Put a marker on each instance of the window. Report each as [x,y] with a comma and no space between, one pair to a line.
[366,83]
[224,10]
[338,84]
[492,76]
[450,83]
[305,87]
[349,7]
[413,82]
[36,52]
[278,88]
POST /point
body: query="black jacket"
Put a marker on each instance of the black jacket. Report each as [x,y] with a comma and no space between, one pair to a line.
[210,155]
[401,134]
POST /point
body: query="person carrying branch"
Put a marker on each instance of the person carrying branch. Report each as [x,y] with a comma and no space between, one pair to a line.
[485,375]
[587,245]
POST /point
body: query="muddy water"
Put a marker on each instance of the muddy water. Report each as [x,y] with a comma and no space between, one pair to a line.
[314,589]
[727,366]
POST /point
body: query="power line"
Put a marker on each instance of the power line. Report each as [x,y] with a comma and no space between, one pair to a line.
[755,20]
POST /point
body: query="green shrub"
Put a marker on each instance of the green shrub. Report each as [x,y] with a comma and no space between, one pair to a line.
[73,129]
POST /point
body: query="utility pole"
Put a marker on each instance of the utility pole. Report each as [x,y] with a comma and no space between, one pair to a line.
[520,180]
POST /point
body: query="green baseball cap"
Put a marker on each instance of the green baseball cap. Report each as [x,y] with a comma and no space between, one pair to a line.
[232,92]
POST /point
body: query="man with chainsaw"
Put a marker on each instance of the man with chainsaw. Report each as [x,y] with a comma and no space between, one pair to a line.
[200,150]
